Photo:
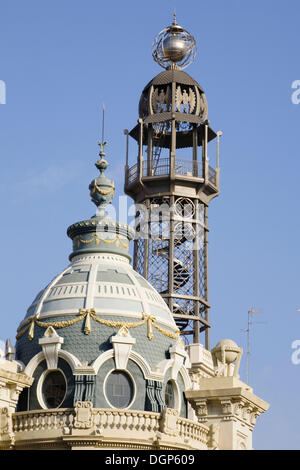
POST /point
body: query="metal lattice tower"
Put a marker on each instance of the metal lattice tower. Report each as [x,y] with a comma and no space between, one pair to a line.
[171,193]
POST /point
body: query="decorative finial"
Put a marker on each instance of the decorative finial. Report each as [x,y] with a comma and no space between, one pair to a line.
[102,188]
[102,143]
[174,47]
[174,18]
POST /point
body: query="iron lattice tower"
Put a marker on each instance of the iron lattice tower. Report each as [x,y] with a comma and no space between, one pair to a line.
[171,193]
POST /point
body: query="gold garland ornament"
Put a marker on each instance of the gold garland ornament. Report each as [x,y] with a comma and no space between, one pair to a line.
[117,240]
[104,192]
[87,314]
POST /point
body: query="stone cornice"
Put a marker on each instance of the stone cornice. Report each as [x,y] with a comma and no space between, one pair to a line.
[15,378]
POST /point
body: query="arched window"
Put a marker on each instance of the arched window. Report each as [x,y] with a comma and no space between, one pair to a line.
[54,389]
[119,389]
[170,395]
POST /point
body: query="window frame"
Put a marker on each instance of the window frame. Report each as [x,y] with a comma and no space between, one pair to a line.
[125,372]
[176,392]
[40,395]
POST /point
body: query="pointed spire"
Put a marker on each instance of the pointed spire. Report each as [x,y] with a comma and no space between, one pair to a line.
[174,18]
[102,143]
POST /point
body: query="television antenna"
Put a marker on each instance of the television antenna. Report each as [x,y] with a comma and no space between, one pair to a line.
[251,312]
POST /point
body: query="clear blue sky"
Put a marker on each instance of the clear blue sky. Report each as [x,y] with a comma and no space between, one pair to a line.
[60,60]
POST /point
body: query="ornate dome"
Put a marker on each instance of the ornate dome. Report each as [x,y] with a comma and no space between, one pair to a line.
[106,284]
[99,324]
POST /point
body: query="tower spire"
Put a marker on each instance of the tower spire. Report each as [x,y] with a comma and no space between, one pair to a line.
[174,18]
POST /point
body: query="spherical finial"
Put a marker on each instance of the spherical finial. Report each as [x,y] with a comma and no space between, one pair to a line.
[227,347]
[174,47]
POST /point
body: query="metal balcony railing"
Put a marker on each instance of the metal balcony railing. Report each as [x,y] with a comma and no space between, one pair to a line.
[212,175]
[132,174]
[183,167]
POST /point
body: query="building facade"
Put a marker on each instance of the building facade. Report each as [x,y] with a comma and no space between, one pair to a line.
[108,355]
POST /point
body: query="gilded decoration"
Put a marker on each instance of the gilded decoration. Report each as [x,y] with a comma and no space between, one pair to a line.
[96,239]
[88,314]
[104,192]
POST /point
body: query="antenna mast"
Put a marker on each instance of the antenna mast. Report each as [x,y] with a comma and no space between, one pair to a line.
[250,322]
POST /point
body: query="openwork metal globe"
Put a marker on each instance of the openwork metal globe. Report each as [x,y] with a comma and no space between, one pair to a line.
[174,47]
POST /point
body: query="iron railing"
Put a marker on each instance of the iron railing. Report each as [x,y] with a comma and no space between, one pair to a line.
[183,167]
[132,174]
[212,175]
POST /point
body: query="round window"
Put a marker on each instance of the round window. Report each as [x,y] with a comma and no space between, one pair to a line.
[119,389]
[54,389]
[170,395]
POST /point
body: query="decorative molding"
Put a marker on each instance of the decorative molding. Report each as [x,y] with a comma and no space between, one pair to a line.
[178,355]
[227,407]
[35,360]
[5,420]
[6,427]
[51,344]
[168,424]
[83,415]
[133,356]
[201,408]
[122,343]
[88,314]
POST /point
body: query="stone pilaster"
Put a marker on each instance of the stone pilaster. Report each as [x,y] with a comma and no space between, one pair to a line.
[229,408]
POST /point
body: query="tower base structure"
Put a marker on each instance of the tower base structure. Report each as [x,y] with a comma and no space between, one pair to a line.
[222,413]
[220,400]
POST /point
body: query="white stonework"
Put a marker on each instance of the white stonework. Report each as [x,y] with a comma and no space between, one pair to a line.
[51,344]
[223,409]
[122,343]
[220,400]
[12,382]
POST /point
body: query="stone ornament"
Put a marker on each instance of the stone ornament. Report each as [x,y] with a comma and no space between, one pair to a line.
[224,354]
[83,415]
[122,343]
[168,423]
[51,344]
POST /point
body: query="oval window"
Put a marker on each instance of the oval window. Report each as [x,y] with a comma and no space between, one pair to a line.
[54,389]
[170,395]
[119,389]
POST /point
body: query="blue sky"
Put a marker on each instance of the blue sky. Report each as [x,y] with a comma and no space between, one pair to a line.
[61,60]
